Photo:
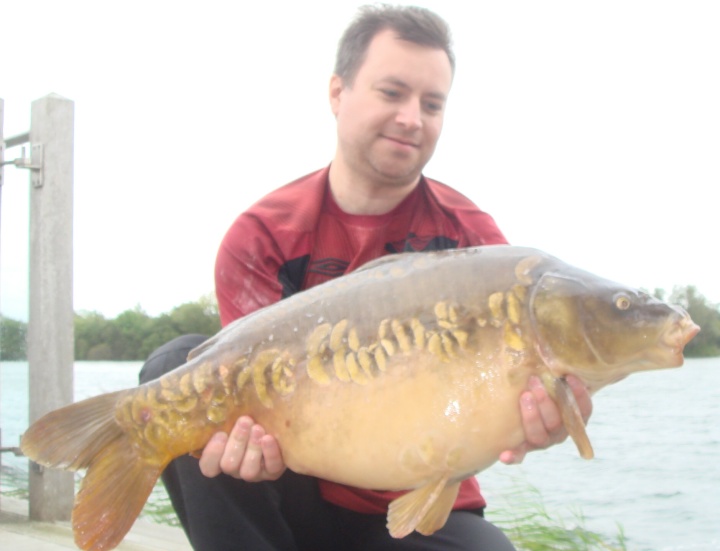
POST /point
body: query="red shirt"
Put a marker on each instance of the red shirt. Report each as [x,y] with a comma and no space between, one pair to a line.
[297,237]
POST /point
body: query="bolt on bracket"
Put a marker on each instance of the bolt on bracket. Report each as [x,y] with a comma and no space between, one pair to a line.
[34,163]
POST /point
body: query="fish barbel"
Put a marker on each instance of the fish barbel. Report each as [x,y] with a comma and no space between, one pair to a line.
[403,375]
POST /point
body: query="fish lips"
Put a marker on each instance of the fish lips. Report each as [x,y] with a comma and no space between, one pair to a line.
[678,334]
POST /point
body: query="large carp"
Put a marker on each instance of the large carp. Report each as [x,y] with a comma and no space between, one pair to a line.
[404,375]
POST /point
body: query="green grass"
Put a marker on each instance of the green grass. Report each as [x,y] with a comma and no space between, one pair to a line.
[159,509]
[13,483]
[521,514]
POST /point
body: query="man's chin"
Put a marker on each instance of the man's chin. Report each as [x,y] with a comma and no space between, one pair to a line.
[396,175]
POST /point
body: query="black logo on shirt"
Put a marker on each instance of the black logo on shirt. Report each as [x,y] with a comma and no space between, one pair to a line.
[414,243]
[331,267]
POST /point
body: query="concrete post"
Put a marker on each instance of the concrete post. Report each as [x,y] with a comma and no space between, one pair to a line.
[50,323]
[2,144]
[2,181]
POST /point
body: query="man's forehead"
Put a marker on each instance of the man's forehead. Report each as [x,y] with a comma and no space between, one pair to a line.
[390,39]
[392,58]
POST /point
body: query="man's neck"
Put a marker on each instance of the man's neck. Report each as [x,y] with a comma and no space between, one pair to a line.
[355,194]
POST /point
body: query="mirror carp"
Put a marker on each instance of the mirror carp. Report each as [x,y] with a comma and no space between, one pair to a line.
[403,375]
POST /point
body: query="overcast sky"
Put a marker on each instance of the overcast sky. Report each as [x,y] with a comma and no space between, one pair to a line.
[590,130]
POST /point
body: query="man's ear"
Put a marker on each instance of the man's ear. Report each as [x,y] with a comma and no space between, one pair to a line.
[336,88]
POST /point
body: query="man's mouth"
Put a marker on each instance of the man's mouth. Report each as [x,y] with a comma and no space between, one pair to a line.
[402,141]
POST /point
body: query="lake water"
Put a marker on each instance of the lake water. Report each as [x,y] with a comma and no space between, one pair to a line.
[656,472]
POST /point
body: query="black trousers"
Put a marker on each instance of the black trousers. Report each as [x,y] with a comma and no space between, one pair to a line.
[226,514]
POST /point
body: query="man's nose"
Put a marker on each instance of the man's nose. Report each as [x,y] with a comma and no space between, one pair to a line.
[409,114]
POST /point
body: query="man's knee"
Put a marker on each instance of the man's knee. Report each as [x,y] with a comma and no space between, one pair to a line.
[169,356]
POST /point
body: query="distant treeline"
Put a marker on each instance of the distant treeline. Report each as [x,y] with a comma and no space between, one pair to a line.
[133,335]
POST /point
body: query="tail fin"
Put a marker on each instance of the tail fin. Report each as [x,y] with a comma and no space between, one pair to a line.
[85,435]
[111,496]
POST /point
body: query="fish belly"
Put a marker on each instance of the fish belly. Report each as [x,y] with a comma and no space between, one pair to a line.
[401,430]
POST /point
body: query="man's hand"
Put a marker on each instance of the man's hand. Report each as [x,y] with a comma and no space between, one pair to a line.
[541,418]
[246,453]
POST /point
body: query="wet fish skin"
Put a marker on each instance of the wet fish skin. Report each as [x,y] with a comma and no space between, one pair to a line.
[403,375]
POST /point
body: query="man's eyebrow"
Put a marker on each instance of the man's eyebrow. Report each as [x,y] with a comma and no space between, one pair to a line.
[402,84]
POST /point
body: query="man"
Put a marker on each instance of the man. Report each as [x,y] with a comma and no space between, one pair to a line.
[392,78]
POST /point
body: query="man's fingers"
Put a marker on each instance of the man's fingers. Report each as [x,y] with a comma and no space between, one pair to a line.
[211,455]
[582,396]
[550,430]
[274,464]
[236,446]
[536,435]
[513,457]
[542,419]
[251,468]
[246,453]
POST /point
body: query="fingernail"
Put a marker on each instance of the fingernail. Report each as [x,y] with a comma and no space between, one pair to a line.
[535,382]
[256,434]
[527,400]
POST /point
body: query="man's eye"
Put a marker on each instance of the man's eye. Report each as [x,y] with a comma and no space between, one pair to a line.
[390,93]
[433,106]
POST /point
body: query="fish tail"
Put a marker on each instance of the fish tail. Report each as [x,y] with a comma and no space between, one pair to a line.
[85,435]
[111,496]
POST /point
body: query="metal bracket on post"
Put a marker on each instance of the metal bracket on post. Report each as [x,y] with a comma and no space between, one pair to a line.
[36,166]
[34,163]
[15,450]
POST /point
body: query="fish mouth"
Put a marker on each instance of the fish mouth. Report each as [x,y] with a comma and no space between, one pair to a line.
[666,353]
[680,332]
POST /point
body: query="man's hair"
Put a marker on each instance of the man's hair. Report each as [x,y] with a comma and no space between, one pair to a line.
[411,23]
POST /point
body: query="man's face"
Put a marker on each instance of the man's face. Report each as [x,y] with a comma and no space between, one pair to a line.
[390,118]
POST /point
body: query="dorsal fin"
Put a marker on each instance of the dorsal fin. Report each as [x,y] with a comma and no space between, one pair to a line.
[202,347]
[387,259]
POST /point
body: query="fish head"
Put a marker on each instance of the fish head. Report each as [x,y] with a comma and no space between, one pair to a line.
[602,331]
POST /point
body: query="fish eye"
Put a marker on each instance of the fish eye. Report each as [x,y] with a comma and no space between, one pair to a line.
[622,302]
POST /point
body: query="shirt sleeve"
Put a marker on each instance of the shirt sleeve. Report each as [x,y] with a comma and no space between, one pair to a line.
[473,226]
[480,229]
[246,269]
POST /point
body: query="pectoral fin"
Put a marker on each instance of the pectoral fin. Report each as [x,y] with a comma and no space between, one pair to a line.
[437,515]
[560,390]
[425,509]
